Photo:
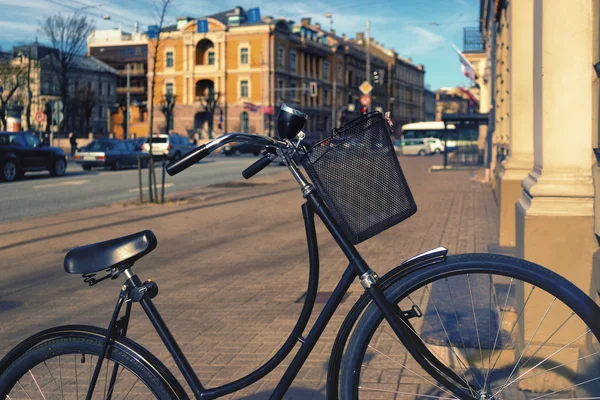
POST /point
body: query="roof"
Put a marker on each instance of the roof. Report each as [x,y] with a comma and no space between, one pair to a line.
[35,50]
[87,63]
[465,118]
[222,17]
[428,125]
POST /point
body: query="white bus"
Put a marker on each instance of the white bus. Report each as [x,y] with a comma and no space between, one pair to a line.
[435,129]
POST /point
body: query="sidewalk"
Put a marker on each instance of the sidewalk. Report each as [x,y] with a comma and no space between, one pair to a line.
[230,267]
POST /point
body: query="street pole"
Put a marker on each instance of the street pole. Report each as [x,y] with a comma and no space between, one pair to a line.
[368,45]
[333,103]
[262,99]
[128,66]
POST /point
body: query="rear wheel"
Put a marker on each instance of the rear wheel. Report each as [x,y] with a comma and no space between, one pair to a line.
[491,327]
[237,153]
[117,165]
[59,168]
[422,153]
[62,368]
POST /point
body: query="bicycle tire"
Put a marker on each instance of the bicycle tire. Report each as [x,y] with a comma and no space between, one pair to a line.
[356,362]
[22,373]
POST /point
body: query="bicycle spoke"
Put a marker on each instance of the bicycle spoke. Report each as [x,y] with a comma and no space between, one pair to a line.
[60,374]
[408,369]
[545,359]
[54,379]
[36,384]
[112,388]
[23,389]
[130,389]
[105,379]
[406,393]
[460,333]
[498,331]
[560,366]
[449,341]
[571,387]
[476,329]
[76,380]
[514,326]
[528,343]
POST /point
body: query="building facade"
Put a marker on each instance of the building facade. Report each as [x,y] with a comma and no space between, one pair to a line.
[88,77]
[250,66]
[429,105]
[454,100]
[543,73]
[122,50]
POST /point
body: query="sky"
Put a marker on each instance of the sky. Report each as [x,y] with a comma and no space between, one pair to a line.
[417,29]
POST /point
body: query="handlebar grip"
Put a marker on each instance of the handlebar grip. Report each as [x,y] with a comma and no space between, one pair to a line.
[255,168]
[187,160]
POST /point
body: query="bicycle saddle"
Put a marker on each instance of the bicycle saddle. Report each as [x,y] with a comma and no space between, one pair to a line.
[110,253]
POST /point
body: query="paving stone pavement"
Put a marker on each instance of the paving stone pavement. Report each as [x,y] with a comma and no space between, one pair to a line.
[230,265]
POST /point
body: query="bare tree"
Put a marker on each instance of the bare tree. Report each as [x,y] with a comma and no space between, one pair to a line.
[10,80]
[166,107]
[210,102]
[82,106]
[163,5]
[68,36]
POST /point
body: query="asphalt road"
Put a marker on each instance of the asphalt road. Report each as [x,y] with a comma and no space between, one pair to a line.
[39,194]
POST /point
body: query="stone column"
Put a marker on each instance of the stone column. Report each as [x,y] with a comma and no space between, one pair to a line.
[555,214]
[521,118]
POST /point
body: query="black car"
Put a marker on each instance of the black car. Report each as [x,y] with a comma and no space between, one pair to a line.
[237,149]
[21,152]
[113,153]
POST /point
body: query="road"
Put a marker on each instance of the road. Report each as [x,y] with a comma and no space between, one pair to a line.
[39,194]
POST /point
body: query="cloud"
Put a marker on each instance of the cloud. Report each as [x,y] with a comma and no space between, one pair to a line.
[422,41]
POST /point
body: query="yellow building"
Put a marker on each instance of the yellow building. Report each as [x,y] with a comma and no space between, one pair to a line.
[250,67]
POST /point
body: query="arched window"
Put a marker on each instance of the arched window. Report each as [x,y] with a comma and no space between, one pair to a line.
[205,54]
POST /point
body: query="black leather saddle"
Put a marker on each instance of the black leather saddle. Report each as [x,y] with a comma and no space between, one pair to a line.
[111,253]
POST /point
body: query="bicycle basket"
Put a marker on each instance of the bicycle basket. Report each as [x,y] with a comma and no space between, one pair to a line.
[358,175]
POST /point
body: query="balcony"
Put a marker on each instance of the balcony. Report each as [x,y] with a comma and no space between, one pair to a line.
[473,40]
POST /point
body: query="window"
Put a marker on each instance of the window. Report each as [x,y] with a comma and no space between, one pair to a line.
[90,86]
[244,122]
[243,88]
[169,89]
[325,97]
[244,55]
[109,91]
[211,58]
[339,71]
[326,70]
[293,87]
[281,91]
[169,59]
[100,112]
[293,61]
[280,56]
[100,89]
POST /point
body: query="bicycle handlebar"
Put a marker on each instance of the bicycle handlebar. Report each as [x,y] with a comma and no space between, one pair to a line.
[199,153]
[257,166]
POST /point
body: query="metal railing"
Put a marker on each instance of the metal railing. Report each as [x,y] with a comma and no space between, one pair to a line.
[472,40]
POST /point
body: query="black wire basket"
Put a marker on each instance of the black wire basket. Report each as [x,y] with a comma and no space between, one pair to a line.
[357,173]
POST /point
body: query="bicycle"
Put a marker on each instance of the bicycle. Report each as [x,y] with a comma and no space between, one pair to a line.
[405,337]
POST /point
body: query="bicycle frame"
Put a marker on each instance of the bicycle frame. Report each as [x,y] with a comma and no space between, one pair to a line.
[357,267]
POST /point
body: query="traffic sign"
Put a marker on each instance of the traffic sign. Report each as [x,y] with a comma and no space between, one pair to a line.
[365,100]
[40,117]
[152,31]
[365,87]
[313,89]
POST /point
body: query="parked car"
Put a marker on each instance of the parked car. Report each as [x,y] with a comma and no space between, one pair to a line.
[420,147]
[22,152]
[237,149]
[114,153]
[436,145]
[172,146]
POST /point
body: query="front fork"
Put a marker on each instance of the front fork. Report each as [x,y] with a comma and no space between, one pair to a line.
[400,324]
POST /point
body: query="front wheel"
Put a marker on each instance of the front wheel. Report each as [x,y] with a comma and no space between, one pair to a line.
[59,168]
[495,327]
[62,368]
[10,171]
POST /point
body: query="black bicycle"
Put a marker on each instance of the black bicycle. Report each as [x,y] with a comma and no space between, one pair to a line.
[471,326]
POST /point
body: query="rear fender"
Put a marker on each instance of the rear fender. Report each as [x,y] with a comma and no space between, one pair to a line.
[409,266]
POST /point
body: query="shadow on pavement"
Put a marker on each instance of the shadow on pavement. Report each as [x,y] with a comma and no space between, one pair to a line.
[292,394]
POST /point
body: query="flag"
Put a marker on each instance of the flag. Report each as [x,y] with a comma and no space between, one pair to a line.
[251,107]
[465,65]
[470,95]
